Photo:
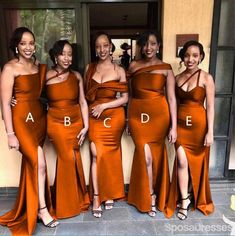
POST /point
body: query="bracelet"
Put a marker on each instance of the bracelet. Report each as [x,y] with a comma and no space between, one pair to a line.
[10,133]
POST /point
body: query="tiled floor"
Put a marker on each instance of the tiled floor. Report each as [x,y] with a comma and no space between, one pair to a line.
[126,220]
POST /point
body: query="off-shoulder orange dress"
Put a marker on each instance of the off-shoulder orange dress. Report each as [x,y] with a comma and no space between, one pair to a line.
[191,139]
[29,121]
[149,102]
[106,133]
[64,122]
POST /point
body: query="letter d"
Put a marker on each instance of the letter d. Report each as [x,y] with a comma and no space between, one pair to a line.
[144,118]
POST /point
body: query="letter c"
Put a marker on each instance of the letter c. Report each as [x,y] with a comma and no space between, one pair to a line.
[105,125]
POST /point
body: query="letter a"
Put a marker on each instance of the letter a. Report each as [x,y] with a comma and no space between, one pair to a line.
[146,116]
[67,121]
[188,120]
[29,117]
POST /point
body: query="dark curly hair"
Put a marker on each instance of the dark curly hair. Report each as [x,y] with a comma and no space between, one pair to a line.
[16,38]
[57,49]
[189,44]
[143,39]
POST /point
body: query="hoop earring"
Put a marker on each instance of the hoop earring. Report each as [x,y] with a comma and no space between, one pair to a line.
[17,50]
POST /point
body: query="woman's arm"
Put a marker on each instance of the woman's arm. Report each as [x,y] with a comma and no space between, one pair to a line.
[84,110]
[7,82]
[97,110]
[210,110]
[170,87]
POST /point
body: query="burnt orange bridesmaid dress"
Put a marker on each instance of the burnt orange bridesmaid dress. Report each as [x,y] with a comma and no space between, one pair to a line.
[29,121]
[149,102]
[64,122]
[106,133]
[191,139]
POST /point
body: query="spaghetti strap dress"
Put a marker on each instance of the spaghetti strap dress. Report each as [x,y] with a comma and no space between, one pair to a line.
[64,122]
[191,137]
[149,123]
[106,132]
[29,122]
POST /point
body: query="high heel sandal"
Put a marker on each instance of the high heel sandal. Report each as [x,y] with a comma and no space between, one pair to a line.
[108,205]
[97,212]
[51,224]
[153,211]
[190,196]
[182,214]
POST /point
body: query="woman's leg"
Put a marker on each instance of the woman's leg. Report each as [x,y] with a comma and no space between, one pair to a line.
[149,164]
[183,178]
[97,211]
[43,213]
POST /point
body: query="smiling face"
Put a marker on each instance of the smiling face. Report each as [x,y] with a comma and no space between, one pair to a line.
[192,57]
[64,60]
[103,47]
[151,47]
[26,46]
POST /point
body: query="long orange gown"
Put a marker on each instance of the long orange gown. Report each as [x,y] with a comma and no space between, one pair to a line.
[29,121]
[64,122]
[191,139]
[107,139]
[147,97]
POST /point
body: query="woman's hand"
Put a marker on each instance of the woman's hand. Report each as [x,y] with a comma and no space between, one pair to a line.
[13,142]
[172,136]
[209,139]
[81,136]
[97,110]
[13,101]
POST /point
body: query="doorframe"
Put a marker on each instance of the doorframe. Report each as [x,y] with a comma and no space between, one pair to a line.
[82,20]
[228,174]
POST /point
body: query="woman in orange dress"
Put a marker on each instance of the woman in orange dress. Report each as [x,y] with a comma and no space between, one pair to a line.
[104,79]
[190,178]
[25,125]
[152,117]
[67,125]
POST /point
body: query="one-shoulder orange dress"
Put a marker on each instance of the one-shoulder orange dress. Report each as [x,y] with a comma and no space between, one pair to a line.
[149,122]
[106,133]
[29,121]
[191,130]
[64,122]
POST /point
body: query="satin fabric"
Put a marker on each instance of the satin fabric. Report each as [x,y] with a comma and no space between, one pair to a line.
[191,139]
[106,132]
[29,121]
[64,122]
[148,97]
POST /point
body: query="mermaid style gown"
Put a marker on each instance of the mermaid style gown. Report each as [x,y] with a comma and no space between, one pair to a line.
[106,133]
[149,123]
[64,122]
[191,139]
[29,121]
